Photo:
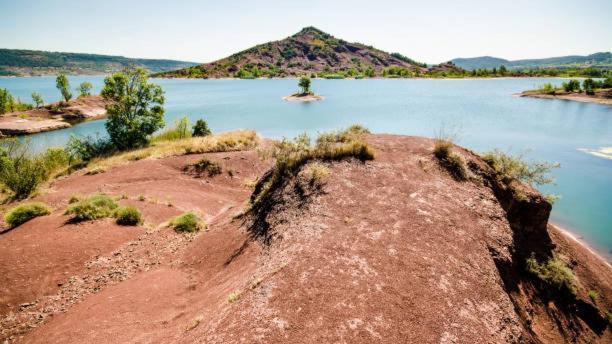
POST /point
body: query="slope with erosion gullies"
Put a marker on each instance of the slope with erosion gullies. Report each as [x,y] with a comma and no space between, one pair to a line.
[310,51]
[394,249]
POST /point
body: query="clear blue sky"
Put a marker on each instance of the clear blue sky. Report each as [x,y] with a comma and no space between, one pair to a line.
[202,31]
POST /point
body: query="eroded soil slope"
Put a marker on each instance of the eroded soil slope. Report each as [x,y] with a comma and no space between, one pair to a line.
[393,250]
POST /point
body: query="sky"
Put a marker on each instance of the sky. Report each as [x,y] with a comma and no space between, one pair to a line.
[204,31]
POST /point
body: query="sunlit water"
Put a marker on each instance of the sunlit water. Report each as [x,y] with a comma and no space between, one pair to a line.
[484,114]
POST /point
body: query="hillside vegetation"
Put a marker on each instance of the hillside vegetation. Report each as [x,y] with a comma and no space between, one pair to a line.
[601,60]
[31,62]
[310,52]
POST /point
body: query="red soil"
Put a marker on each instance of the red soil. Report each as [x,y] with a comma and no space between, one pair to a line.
[393,250]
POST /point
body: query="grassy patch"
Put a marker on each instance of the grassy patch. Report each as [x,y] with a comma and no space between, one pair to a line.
[128,216]
[224,142]
[315,173]
[514,167]
[92,208]
[205,165]
[180,131]
[291,155]
[451,161]
[25,212]
[554,273]
[593,295]
[187,222]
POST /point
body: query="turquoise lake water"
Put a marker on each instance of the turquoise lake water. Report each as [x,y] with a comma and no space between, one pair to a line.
[484,114]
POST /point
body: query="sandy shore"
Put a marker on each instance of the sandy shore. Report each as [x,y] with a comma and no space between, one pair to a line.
[301,98]
[600,97]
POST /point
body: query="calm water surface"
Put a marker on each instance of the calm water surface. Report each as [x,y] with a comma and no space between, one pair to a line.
[483,113]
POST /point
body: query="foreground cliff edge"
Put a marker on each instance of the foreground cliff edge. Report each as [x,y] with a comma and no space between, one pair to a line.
[395,249]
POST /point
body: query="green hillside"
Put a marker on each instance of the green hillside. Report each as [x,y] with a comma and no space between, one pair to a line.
[33,62]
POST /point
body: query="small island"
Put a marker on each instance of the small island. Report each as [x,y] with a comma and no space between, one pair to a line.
[592,91]
[305,94]
[19,118]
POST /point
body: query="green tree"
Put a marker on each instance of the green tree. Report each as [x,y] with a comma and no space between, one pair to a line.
[7,103]
[502,70]
[38,100]
[200,128]
[84,89]
[589,86]
[304,84]
[136,110]
[63,85]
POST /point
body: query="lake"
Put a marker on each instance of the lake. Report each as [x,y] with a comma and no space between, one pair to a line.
[483,114]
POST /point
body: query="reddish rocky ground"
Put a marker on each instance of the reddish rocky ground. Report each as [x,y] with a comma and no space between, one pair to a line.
[393,250]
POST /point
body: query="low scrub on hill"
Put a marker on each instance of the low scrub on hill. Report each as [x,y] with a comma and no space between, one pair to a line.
[451,161]
[554,273]
[187,222]
[205,165]
[291,155]
[224,142]
[514,167]
[25,212]
[92,208]
[128,216]
[22,172]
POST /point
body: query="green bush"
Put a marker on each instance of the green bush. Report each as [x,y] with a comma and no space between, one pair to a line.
[549,88]
[187,222]
[84,89]
[128,216]
[589,86]
[554,273]
[200,128]
[571,86]
[92,208]
[593,295]
[25,212]
[178,132]
[511,167]
[21,172]
[89,147]
[205,165]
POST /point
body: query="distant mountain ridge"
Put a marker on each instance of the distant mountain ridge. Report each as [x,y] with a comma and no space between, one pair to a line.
[310,51]
[34,62]
[597,60]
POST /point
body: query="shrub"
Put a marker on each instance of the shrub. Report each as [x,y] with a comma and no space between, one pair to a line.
[85,89]
[128,216]
[452,162]
[37,99]
[92,208]
[589,86]
[593,295]
[571,86]
[187,222]
[200,128]
[25,212]
[511,167]
[205,165]
[554,273]
[549,88]
[291,155]
[22,172]
[88,148]
[6,101]
[316,173]
[178,132]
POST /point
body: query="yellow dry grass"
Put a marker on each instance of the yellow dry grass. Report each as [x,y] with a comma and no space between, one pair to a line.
[223,142]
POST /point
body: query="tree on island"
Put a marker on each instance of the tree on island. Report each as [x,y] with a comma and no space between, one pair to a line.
[589,86]
[84,89]
[37,99]
[304,84]
[136,110]
[63,85]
